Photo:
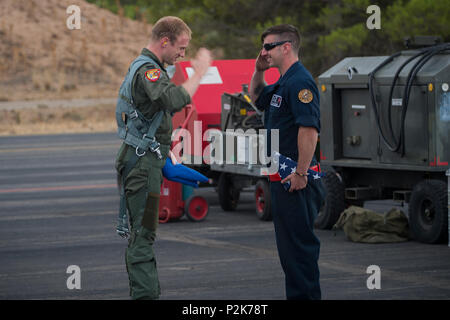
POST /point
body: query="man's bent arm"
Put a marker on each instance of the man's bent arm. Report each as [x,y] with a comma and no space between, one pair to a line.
[191,85]
[257,85]
[307,141]
[200,64]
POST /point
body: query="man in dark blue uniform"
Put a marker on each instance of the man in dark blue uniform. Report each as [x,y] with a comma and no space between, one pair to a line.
[291,105]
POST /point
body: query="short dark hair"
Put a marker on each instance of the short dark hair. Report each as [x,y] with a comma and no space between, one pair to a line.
[285,32]
[170,27]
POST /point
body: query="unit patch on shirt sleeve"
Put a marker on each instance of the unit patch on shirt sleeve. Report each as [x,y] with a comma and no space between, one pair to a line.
[276,101]
[305,96]
[153,74]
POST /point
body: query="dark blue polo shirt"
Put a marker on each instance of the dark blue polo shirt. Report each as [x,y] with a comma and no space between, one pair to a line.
[288,106]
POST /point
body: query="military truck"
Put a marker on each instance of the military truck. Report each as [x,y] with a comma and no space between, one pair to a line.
[386,134]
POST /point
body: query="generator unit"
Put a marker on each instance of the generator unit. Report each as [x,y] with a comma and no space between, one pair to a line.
[386,134]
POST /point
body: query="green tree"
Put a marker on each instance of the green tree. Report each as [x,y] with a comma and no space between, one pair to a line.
[417,17]
[344,31]
[330,29]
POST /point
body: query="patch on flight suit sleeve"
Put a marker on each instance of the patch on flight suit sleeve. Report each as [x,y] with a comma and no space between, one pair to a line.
[305,96]
[153,74]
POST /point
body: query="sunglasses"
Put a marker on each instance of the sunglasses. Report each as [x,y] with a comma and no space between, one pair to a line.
[270,46]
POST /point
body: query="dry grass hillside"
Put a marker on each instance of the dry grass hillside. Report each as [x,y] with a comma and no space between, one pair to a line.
[40,58]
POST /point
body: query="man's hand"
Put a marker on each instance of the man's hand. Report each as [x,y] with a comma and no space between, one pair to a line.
[297,182]
[202,61]
[172,157]
[257,82]
[261,63]
[200,64]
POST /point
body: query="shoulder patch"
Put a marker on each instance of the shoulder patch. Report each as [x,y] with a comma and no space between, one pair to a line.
[153,74]
[305,96]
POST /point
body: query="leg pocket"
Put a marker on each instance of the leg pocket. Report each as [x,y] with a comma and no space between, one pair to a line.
[136,180]
[317,193]
[151,213]
[154,180]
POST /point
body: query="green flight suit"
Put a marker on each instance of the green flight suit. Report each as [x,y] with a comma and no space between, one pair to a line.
[152,91]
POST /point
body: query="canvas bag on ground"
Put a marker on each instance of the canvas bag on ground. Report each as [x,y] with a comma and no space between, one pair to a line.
[363,225]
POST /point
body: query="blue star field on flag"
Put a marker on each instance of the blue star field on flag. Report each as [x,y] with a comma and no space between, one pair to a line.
[287,166]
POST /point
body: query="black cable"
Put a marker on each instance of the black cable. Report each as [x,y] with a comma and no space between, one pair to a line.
[405,100]
[372,96]
[412,75]
[427,54]
[391,93]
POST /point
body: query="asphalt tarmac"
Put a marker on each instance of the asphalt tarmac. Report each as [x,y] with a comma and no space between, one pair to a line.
[58,208]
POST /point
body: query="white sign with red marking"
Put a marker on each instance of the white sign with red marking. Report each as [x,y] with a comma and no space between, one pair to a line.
[212,76]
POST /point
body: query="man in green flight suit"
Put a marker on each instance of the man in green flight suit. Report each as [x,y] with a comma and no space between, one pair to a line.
[151,92]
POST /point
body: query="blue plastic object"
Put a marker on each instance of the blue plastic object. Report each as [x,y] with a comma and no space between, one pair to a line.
[181,173]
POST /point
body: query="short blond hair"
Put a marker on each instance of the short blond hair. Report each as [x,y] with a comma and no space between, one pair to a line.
[171,27]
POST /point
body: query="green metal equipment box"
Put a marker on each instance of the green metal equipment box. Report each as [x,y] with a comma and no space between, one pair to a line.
[386,135]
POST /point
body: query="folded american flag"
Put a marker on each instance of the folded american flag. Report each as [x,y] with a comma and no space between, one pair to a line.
[286,166]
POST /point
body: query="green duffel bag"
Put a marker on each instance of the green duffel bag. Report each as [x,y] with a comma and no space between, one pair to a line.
[363,225]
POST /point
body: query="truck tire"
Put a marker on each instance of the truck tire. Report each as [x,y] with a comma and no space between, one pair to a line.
[228,195]
[334,201]
[428,213]
[262,200]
